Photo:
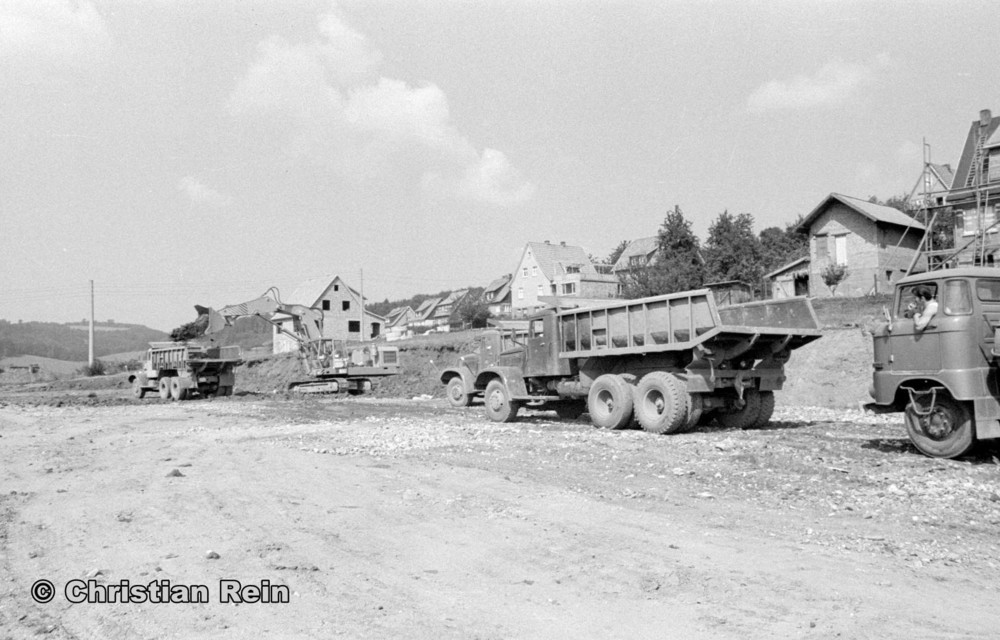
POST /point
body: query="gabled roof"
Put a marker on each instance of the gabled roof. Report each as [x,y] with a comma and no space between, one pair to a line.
[309,292]
[801,263]
[498,284]
[640,247]
[965,162]
[553,259]
[876,212]
[427,307]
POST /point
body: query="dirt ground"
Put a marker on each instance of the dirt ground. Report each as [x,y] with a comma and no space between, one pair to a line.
[396,517]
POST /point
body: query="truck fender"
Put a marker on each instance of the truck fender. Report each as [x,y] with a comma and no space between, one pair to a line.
[512,378]
[459,372]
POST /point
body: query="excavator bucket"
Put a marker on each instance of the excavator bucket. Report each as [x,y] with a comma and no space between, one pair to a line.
[216,322]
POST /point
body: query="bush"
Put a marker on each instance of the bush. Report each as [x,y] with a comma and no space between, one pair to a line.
[96,369]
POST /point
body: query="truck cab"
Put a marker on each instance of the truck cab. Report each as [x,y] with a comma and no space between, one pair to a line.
[944,376]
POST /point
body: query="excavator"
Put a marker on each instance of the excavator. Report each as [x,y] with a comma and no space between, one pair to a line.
[331,366]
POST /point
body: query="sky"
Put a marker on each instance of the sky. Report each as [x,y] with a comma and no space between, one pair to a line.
[199,152]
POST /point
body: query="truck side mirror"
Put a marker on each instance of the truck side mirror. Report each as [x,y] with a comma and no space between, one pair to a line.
[888,318]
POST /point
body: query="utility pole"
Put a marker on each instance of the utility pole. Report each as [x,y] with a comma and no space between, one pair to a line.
[362,332]
[91,332]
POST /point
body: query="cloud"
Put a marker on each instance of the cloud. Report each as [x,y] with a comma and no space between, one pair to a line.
[834,84]
[338,110]
[200,193]
[52,34]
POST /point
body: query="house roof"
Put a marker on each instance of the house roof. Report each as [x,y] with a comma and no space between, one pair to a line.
[801,263]
[870,210]
[992,131]
[310,291]
[498,284]
[639,247]
[427,307]
[553,259]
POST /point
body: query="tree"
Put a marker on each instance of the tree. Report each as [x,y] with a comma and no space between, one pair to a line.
[732,251]
[677,265]
[779,247]
[833,275]
[472,310]
[616,252]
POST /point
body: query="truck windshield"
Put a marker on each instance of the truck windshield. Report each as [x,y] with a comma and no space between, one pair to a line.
[957,299]
[988,290]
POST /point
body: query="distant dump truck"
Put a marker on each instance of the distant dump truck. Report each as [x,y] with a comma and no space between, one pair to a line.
[945,376]
[179,370]
[670,361]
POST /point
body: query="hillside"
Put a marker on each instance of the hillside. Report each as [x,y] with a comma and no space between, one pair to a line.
[70,341]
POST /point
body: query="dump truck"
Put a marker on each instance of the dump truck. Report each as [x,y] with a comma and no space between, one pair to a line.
[330,366]
[180,370]
[669,361]
[943,378]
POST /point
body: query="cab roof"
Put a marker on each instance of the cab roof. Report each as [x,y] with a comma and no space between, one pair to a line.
[961,272]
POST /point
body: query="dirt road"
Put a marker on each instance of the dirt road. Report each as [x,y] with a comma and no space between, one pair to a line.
[408,519]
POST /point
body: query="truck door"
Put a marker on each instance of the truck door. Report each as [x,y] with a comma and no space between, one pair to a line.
[910,349]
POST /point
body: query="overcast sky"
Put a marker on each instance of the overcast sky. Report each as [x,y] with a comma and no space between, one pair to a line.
[182,153]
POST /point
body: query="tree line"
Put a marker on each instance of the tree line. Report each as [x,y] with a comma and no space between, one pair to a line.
[732,251]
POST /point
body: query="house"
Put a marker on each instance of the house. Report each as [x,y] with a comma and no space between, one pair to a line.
[442,315]
[932,186]
[342,313]
[974,196]
[790,280]
[556,269]
[497,296]
[397,323]
[638,254]
[875,242]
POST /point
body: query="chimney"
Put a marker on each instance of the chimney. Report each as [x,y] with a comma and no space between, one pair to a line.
[985,117]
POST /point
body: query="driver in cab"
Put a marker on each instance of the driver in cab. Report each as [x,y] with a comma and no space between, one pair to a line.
[923,309]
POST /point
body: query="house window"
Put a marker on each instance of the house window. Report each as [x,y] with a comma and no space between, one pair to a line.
[354,326]
[534,270]
[991,166]
[345,305]
[326,305]
[524,272]
[822,248]
[573,268]
[636,261]
[336,287]
[840,247]
[569,288]
[970,221]
[541,289]
[520,293]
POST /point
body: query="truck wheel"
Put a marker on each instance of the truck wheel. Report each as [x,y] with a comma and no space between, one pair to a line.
[177,392]
[457,397]
[610,402]
[499,406]
[946,432]
[138,390]
[743,418]
[766,409]
[660,403]
[164,388]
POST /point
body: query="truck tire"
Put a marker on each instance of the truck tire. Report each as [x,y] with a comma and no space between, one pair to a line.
[766,409]
[742,418]
[945,432]
[177,392]
[163,386]
[457,397]
[610,402]
[499,406]
[661,405]
[138,390]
